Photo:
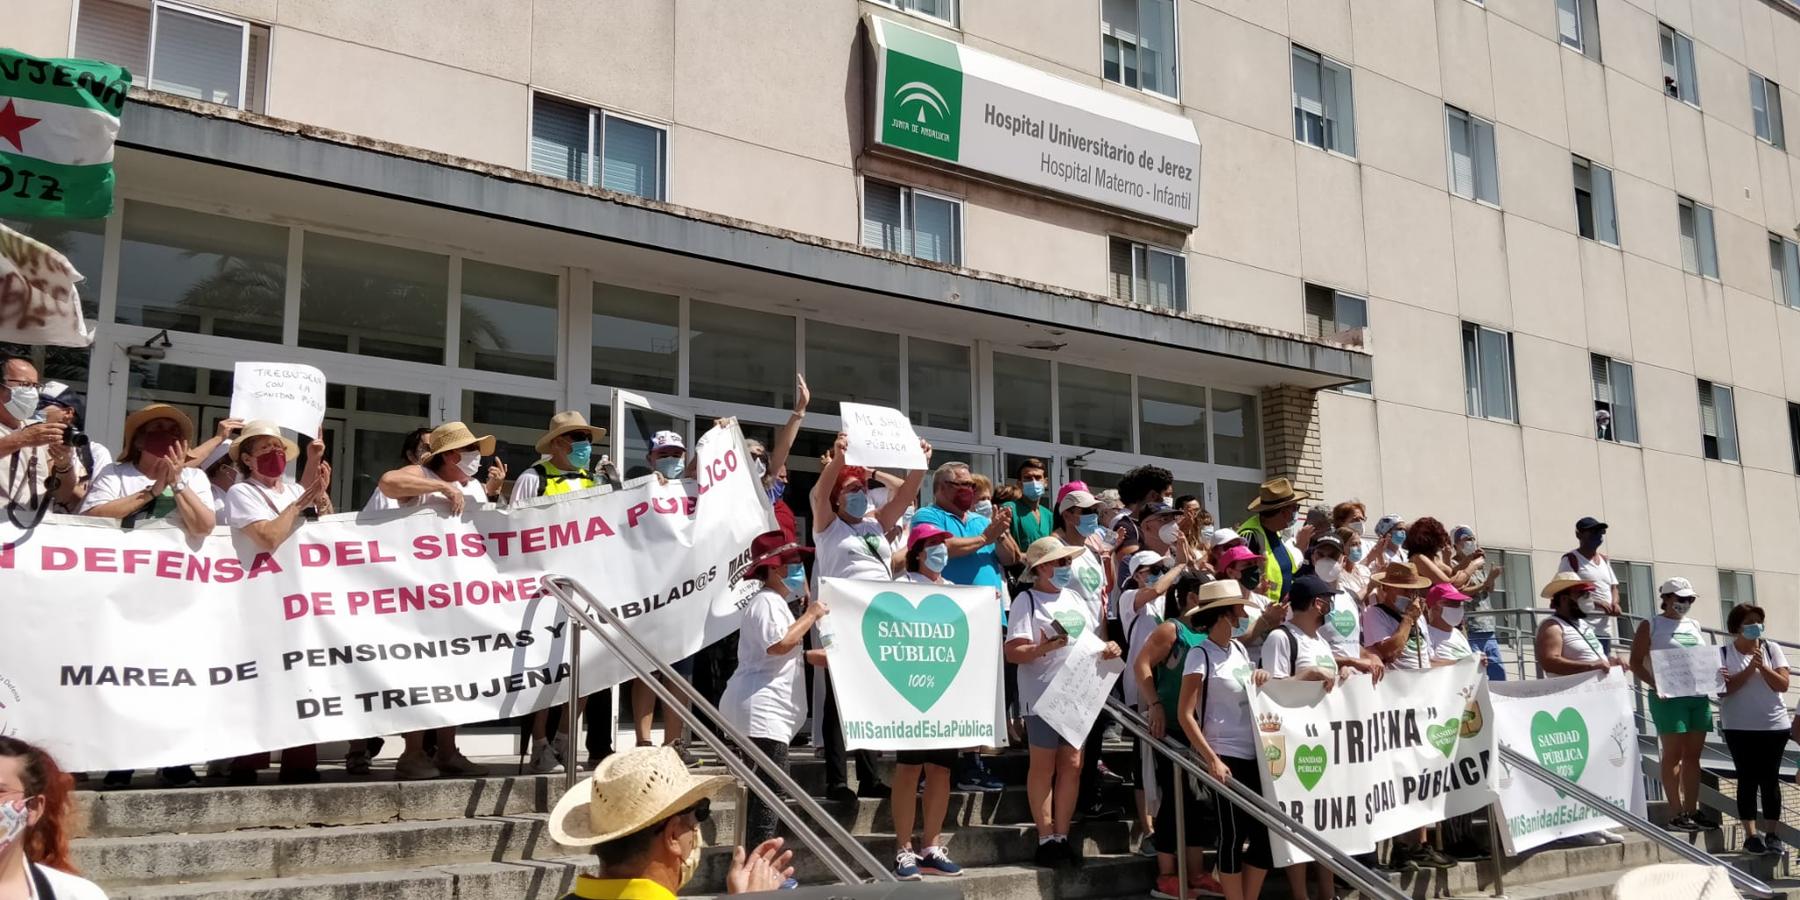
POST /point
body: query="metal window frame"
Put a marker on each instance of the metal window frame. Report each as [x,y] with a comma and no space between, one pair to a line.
[1135,40]
[1481,374]
[243,86]
[1772,115]
[1147,248]
[908,7]
[597,136]
[1456,116]
[908,218]
[1323,63]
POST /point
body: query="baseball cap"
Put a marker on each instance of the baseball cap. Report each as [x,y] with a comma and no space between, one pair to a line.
[1589,523]
[663,440]
[1153,510]
[1325,540]
[1076,498]
[1680,587]
[1387,524]
[1144,558]
[1223,536]
[1445,593]
[1308,586]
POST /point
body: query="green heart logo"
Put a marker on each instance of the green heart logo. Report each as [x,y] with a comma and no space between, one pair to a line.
[1071,621]
[1561,743]
[1090,578]
[1343,622]
[1685,639]
[919,649]
[1309,764]
[1444,736]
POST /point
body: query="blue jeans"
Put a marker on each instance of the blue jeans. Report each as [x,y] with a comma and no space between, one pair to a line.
[1489,648]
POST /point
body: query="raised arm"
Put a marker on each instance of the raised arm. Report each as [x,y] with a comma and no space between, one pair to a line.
[784,439]
[828,478]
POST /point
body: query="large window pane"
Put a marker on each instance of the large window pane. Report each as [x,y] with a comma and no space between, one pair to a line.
[851,364]
[1496,374]
[198,57]
[190,271]
[1171,420]
[372,299]
[1095,406]
[1237,433]
[1156,55]
[1234,502]
[508,320]
[935,229]
[637,339]
[631,158]
[740,356]
[938,384]
[1021,397]
[515,420]
[1624,391]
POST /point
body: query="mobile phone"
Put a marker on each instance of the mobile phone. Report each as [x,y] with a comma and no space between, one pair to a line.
[1058,628]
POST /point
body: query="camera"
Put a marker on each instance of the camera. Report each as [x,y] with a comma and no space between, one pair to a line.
[74,437]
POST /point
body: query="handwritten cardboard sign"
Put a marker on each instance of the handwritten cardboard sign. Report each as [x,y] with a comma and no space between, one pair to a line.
[291,396]
[1687,671]
[880,437]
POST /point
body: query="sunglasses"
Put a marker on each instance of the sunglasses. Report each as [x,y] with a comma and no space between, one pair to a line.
[700,812]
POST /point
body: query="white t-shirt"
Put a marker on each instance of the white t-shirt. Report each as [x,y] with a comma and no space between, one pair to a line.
[1378,626]
[765,697]
[1088,581]
[1309,651]
[218,501]
[1227,723]
[248,503]
[858,551]
[472,490]
[123,479]
[1450,644]
[1580,642]
[1029,618]
[1754,706]
[1600,572]
[64,885]
[1136,636]
[1668,634]
[1343,624]
[1129,613]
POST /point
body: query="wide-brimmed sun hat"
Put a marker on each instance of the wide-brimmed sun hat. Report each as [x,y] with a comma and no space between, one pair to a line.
[1275,494]
[1215,594]
[1049,549]
[261,428]
[564,422]
[773,548]
[1563,581]
[1400,575]
[152,413]
[456,436]
[628,792]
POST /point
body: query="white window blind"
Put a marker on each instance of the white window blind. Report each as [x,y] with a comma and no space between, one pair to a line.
[1153,276]
[911,222]
[884,222]
[1568,22]
[1615,394]
[114,32]
[559,139]
[593,147]
[198,56]
[1119,268]
[1138,44]
[631,158]
[1578,24]
[1718,422]
[1699,253]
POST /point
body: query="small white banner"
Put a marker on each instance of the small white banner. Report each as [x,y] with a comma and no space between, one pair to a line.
[39,303]
[1369,761]
[1580,727]
[1688,671]
[138,649]
[292,396]
[880,437]
[914,666]
[1075,696]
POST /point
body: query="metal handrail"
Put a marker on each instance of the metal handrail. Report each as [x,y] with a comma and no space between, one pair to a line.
[1259,808]
[1632,821]
[643,664]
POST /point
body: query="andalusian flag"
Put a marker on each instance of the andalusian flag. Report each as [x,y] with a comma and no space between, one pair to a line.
[58,118]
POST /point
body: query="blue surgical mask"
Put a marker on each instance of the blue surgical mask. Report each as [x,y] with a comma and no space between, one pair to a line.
[1753,631]
[1032,490]
[1059,577]
[1397,536]
[1088,524]
[936,557]
[795,579]
[669,466]
[581,453]
[856,504]
[776,490]
[984,509]
[1356,553]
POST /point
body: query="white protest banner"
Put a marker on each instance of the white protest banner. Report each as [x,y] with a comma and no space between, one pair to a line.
[1580,727]
[290,395]
[914,666]
[143,648]
[39,303]
[880,437]
[1688,671]
[1076,694]
[1368,761]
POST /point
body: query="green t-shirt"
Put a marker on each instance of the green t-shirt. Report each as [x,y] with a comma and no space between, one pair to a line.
[1029,526]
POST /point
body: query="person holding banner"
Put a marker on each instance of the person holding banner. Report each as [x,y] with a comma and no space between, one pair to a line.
[1215,714]
[1682,723]
[265,504]
[151,479]
[1566,643]
[1444,612]
[37,816]
[1755,722]
[1044,619]
[1390,625]
[1299,650]
[444,479]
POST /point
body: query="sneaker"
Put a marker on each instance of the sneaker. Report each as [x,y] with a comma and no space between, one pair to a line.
[1108,776]
[1774,845]
[1167,889]
[1754,844]
[1404,858]
[357,762]
[543,759]
[1147,847]
[1205,885]
[1591,839]
[788,885]
[687,756]
[414,765]
[1048,855]
[1071,852]
[218,768]
[1705,819]
[559,745]
[177,776]
[970,780]
[1113,733]
[840,793]
[374,745]
[873,790]
[1685,823]
[452,762]
[1432,857]
[906,865]
[937,862]
[1607,837]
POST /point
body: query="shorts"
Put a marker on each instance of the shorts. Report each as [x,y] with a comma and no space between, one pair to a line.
[684,667]
[943,759]
[1681,715]
[1039,735]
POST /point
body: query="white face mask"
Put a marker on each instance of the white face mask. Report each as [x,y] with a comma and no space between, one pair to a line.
[14,816]
[1681,607]
[1453,616]
[469,462]
[1328,569]
[23,403]
[1468,547]
[1590,604]
[1170,533]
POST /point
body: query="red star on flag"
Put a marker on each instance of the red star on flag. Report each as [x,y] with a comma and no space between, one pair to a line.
[12,125]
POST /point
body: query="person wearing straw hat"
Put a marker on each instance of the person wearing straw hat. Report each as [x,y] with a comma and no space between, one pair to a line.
[445,479]
[1390,625]
[266,505]
[1043,621]
[1277,503]
[151,479]
[641,811]
[568,464]
[765,697]
[1566,642]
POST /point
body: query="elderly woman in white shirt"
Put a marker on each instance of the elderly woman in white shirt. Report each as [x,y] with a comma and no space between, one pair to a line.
[265,504]
[151,479]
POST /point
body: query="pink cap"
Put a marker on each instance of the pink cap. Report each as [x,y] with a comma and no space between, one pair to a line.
[1065,489]
[1445,593]
[1234,555]
[924,533]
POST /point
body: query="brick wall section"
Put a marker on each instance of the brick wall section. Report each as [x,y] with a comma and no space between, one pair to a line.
[1291,437]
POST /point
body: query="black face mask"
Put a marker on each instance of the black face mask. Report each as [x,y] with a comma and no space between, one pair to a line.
[1252,578]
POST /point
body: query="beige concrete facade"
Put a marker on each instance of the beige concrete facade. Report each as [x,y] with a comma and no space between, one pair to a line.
[765,111]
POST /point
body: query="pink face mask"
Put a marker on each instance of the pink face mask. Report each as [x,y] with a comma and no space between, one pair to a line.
[271,465]
[157,445]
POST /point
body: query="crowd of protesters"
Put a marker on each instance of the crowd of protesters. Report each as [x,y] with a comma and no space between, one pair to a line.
[1201,614]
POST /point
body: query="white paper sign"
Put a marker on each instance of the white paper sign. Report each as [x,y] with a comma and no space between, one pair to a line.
[1687,671]
[880,437]
[1580,727]
[914,666]
[292,396]
[1073,699]
[39,303]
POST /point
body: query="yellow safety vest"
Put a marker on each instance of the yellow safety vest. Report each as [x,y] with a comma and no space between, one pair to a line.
[552,480]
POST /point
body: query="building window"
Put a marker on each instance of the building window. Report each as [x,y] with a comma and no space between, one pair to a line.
[1595,216]
[1152,276]
[912,222]
[637,339]
[179,50]
[1093,407]
[1512,588]
[1336,316]
[1022,409]
[1237,432]
[1137,44]
[1699,250]
[1718,422]
[1615,400]
[509,320]
[1324,109]
[1765,105]
[1579,25]
[1734,588]
[1794,432]
[191,271]
[1171,419]
[1784,269]
[942,10]
[740,355]
[373,299]
[1637,594]
[1489,390]
[939,385]
[1473,173]
[1679,80]
[566,139]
